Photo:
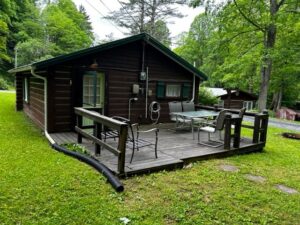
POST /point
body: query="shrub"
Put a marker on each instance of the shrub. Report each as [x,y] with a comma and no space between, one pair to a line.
[3,84]
[76,148]
[206,97]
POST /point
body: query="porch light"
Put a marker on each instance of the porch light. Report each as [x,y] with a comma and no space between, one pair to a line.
[94,65]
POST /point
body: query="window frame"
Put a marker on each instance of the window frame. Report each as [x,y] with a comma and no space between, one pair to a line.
[173,84]
[161,86]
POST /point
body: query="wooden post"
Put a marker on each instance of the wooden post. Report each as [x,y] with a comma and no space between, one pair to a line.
[256,128]
[122,148]
[264,126]
[227,135]
[79,124]
[98,134]
[237,132]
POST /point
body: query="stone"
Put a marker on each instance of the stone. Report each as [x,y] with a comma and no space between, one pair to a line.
[229,168]
[286,189]
[257,179]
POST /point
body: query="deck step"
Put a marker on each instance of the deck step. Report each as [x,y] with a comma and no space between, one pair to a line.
[153,166]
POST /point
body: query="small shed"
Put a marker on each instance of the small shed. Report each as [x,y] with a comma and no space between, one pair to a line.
[234,99]
[286,113]
[121,78]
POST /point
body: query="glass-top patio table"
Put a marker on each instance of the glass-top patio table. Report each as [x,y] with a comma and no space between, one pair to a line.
[194,115]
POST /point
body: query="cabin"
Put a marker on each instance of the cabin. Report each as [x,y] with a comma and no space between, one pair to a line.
[287,114]
[121,78]
[73,98]
[234,99]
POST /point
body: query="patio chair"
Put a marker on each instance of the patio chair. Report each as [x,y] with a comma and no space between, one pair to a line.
[188,106]
[213,128]
[138,143]
[181,122]
[108,133]
[133,140]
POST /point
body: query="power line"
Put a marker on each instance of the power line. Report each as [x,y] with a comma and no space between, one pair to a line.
[103,15]
[105,6]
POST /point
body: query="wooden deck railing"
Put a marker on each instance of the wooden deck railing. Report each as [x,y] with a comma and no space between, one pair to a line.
[100,121]
[259,127]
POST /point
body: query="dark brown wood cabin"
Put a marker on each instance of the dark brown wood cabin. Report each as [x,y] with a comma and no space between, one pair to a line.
[234,99]
[106,76]
[239,99]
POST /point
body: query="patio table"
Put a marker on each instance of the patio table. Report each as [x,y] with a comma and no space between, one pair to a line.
[192,115]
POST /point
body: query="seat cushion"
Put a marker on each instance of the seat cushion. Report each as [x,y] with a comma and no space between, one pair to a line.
[208,129]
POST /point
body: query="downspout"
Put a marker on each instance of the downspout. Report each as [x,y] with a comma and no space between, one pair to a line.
[146,100]
[194,87]
[45,105]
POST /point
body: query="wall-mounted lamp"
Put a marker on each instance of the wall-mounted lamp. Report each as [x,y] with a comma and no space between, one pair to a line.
[94,65]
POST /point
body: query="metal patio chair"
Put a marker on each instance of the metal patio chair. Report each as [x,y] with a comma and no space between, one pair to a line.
[180,121]
[134,140]
[188,106]
[211,128]
[138,143]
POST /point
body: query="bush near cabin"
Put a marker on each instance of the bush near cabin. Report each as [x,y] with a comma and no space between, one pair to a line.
[206,97]
[3,84]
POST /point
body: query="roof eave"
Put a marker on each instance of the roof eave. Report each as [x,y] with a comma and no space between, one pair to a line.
[21,69]
[175,57]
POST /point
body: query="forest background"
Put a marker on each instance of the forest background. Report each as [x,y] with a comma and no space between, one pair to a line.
[252,45]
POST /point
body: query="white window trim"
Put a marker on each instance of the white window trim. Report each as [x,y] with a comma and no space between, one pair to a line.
[248,105]
[26,89]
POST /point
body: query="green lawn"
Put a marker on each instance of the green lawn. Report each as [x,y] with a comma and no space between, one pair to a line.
[41,186]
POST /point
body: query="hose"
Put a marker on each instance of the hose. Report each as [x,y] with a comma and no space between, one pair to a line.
[156,111]
[113,180]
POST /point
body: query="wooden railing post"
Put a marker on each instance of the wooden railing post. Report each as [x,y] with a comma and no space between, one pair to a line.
[98,131]
[256,129]
[227,135]
[79,124]
[237,132]
[264,126]
[122,148]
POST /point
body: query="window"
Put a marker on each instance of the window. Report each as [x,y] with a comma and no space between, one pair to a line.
[26,89]
[93,89]
[173,90]
[248,105]
[221,103]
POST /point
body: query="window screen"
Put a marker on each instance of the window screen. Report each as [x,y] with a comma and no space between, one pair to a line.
[91,87]
[173,90]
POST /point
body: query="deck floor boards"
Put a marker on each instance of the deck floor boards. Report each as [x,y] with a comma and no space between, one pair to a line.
[174,149]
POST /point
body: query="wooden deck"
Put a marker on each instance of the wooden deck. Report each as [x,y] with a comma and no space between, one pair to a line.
[175,149]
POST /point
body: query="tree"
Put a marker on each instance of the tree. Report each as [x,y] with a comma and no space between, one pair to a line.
[62,29]
[148,16]
[256,26]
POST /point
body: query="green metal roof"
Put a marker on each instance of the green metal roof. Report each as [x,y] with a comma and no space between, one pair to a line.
[84,52]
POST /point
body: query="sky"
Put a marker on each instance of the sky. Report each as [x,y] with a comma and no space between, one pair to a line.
[96,10]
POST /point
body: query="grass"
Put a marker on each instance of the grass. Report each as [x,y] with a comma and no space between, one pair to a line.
[41,186]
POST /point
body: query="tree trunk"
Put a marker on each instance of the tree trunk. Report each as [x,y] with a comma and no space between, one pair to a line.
[142,18]
[264,85]
[276,101]
[269,43]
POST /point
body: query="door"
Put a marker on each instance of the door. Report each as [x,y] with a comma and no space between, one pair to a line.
[93,91]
